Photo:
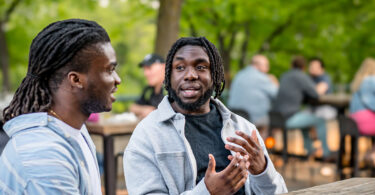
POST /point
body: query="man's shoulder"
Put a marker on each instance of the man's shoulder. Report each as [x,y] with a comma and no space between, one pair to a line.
[35,151]
[36,142]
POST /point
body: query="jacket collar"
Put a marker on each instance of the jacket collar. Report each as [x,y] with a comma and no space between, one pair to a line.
[25,121]
[166,112]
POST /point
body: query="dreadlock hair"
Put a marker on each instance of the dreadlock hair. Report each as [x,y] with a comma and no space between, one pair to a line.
[216,62]
[58,49]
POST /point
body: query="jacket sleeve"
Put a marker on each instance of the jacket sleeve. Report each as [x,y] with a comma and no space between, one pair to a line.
[308,87]
[143,176]
[269,181]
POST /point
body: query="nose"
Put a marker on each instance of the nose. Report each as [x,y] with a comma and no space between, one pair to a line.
[191,74]
[117,78]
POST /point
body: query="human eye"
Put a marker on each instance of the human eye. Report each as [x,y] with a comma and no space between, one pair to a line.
[201,67]
[111,69]
[180,67]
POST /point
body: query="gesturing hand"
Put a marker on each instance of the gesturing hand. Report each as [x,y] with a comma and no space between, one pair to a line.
[229,180]
[251,150]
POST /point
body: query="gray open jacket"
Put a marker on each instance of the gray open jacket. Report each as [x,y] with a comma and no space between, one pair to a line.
[159,159]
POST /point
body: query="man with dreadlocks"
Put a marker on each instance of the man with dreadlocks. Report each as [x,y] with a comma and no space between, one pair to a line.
[192,144]
[71,73]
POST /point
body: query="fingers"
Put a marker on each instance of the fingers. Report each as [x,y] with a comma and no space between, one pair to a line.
[236,149]
[211,168]
[246,157]
[246,147]
[240,183]
[255,137]
[252,140]
[239,172]
[232,165]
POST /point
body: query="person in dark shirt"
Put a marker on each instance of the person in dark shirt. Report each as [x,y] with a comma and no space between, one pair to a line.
[323,84]
[295,87]
[153,68]
[319,76]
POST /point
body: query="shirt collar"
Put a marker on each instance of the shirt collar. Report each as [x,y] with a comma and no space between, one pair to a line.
[166,112]
[25,121]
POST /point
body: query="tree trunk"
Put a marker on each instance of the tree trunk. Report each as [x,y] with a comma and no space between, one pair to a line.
[168,25]
[4,54]
[4,59]
[244,46]
[225,54]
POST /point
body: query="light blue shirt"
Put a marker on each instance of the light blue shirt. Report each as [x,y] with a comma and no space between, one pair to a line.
[364,97]
[252,91]
[40,159]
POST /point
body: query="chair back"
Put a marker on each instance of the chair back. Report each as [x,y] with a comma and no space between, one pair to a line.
[277,120]
[348,126]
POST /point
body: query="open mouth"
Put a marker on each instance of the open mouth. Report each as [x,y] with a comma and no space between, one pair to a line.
[112,94]
[190,91]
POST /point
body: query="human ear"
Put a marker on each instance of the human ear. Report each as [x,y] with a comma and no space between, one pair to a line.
[76,79]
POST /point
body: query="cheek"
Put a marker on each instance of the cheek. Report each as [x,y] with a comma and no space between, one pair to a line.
[107,80]
[173,80]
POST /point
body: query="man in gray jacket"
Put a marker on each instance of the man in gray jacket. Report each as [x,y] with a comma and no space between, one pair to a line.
[192,144]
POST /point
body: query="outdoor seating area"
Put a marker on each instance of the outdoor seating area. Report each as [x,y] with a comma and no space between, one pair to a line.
[238,97]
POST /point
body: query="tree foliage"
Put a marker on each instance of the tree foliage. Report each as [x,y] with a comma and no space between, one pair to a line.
[339,31]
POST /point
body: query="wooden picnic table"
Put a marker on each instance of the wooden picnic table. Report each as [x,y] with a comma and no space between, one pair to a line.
[356,185]
[108,131]
[339,101]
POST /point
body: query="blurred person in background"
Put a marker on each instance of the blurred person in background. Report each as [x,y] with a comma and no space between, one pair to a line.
[295,88]
[319,76]
[362,104]
[153,68]
[71,74]
[323,84]
[253,90]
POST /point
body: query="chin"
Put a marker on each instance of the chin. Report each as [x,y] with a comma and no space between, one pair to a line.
[108,108]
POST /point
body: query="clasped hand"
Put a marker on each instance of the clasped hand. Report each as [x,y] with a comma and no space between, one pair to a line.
[249,158]
[251,151]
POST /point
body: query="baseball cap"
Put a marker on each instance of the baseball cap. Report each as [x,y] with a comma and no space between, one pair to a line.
[150,59]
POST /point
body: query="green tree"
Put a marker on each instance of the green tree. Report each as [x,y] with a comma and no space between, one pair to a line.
[337,31]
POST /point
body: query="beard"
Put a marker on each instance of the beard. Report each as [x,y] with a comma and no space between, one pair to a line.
[191,106]
[93,105]
[94,102]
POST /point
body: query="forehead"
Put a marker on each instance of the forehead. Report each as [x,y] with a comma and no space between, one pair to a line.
[315,63]
[105,49]
[102,55]
[191,51]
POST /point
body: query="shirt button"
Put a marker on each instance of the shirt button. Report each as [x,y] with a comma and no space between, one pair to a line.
[82,164]
[49,119]
[67,135]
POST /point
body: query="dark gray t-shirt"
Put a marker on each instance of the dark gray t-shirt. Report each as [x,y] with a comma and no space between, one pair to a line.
[204,135]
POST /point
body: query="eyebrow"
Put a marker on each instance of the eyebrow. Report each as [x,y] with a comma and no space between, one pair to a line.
[179,58]
[113,63]
[199,60]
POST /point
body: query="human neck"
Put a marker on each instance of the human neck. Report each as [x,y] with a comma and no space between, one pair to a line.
[67,110]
